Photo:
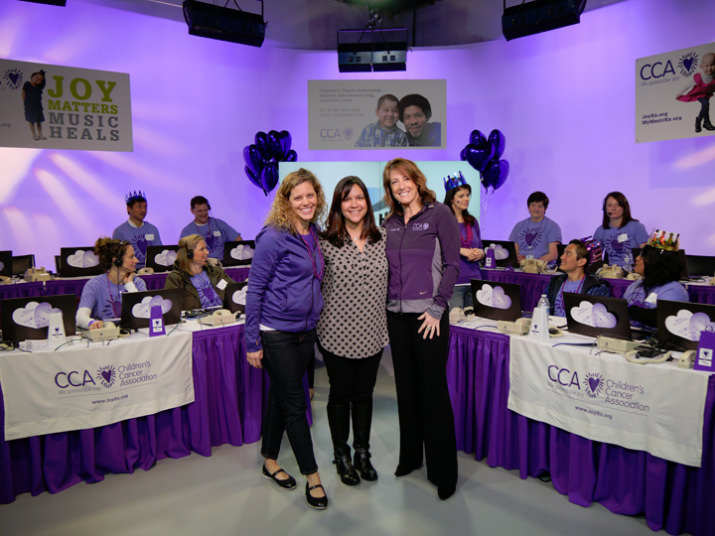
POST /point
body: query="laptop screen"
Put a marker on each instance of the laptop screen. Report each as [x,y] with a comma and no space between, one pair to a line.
[136,307]
[238,253]
[6,263]
[596,315]
[160,258]
[680,324]
[498,301]
[235,297]
[79,262]
[28,318]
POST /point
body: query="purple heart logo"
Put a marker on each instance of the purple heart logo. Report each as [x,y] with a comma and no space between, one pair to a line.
[529,238]
[107,375]
[616,246]
[13,78]
[688,63]
[593,383]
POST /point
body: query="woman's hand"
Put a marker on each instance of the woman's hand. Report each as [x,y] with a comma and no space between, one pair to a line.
[430,325]
[254,358]
[97,324]
[478,254]
[129,277]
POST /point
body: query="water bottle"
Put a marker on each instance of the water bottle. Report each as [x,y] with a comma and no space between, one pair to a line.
[540,320]
[628,260]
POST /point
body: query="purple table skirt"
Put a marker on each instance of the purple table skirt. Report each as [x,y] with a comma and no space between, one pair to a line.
[672,497]
[227,409]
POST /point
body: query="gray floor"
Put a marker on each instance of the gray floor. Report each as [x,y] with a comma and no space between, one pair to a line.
[225,495]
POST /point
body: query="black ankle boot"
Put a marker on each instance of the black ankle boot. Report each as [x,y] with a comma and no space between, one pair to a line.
[348,475]
[362,463]
[698,120]
[707,124]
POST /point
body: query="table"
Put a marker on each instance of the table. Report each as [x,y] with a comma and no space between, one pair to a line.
[227,409]
[670,496]
[532,285]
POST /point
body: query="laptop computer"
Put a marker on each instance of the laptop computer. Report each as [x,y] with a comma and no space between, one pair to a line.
[597,315]
[28,318]
[160,258]
[235,297]
[78,262]
[498,301]
[6,263]
[136,307]
[680,324]
[238,253]
[504,252]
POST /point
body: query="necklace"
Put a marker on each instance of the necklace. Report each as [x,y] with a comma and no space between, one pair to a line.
[317,273]
[466,240]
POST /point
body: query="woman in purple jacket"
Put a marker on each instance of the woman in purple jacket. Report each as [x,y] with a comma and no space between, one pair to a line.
[423,256]
[283,304]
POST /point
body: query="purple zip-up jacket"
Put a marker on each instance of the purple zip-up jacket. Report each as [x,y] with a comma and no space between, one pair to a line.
[423,257]
[283,291]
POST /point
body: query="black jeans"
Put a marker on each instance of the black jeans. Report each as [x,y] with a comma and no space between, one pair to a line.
[423,405]
[285,358]
[352,382]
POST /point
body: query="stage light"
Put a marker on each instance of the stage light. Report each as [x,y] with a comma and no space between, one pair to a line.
[367,50]
[225,24]
[60,3]
[540,16]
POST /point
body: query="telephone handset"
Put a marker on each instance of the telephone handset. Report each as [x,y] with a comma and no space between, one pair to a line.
[147,270]
[5,280]
[37,274]
[612,271]
[221,317]
[108,332]
[533,266]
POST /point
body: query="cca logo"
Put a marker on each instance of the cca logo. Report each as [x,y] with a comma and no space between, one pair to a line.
[63,380]
[330,133]
[563,376]
[656,70]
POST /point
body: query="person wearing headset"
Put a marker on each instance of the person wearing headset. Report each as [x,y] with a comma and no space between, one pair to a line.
[101,297]
[204,285]
[214,231]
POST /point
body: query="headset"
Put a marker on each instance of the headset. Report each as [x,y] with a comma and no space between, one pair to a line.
[119,259]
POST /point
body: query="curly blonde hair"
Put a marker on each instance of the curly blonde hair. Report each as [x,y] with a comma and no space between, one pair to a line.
[281,214]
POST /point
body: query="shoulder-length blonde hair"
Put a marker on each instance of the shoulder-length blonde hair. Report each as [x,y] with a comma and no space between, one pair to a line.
[281,214]
[186,244]
[412,172]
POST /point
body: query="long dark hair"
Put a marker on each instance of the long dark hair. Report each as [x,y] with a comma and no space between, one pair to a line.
[449,197]
[336,232]
[659,267]
[623,202]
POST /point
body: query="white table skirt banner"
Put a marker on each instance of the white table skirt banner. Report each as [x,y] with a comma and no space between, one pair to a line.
[654,408]
[77,387]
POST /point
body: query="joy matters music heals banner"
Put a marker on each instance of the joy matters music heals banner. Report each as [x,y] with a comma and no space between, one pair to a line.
[46,106]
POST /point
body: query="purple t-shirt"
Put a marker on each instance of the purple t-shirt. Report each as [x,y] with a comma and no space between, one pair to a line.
[104,298]
[215,233]
[534,237]
[574,287]
[469,238]
[618,242]
[207,294]
[139,238]
[635,294]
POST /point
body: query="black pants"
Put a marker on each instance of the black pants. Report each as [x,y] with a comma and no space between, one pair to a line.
[352,382]
[285,358]
[423,404]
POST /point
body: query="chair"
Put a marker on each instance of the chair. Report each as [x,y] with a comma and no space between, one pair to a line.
[21,263]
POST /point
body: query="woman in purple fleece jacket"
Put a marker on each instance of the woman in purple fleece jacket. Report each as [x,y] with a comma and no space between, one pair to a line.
[283,304]
[423,256]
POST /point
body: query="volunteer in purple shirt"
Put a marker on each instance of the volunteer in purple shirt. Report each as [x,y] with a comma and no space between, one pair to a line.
[619,233]
[459,192]
[423,257]
[283,304]
[537,237]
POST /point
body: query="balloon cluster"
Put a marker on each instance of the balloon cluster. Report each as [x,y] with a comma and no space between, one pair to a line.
[263,156]
[484,154]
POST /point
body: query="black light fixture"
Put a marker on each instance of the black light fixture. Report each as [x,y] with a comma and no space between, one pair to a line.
[225,24]
[372,48]
[538,16]
[60,3]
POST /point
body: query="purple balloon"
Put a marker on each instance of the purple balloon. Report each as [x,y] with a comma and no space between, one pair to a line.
[477,139]
[285,140]
[274,145]
[262,144]
[495,173]
[463,154]
[253,178]
[269,177]
[477,157]
[253,159]
[498,141]
[292,156]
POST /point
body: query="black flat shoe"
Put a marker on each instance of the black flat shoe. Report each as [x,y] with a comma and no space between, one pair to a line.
[286,483]
[405,469]
[361,462]
[445,492]
[348,475]
[319,503]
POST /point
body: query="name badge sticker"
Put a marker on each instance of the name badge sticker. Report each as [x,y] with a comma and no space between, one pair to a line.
[149,236]
[623,237]
[217,233]
[652,298]
[221,284]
